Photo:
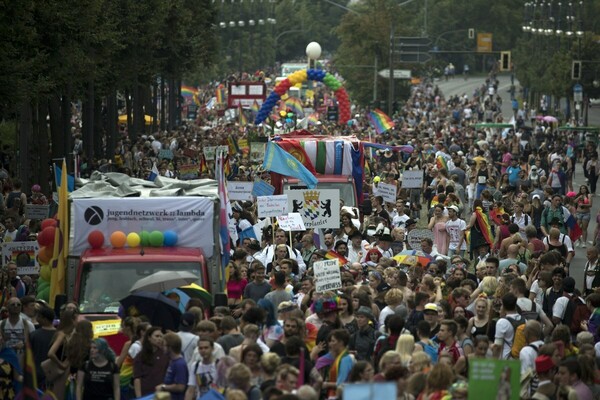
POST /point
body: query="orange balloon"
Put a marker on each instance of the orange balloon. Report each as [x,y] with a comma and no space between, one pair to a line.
[45,254]
[118,239]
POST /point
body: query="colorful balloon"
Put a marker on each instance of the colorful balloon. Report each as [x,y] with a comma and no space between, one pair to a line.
[45,254]
[45,273]
[48,222]
[170,238]
[156,238]
[145,238]
[96,239]
[133,239]
[118,239]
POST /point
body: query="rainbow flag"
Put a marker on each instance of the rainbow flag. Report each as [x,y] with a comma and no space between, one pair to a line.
[233,145]
[243,121]
[203,168]
[313,119]
[244,146]
[380,121]
[295,105]
[484,226]
[255,108]
[189,91]
[224,213]
[227,167]
[441,163]
[220,95]
[332,255]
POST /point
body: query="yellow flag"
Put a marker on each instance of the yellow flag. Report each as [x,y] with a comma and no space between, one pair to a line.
[61,239]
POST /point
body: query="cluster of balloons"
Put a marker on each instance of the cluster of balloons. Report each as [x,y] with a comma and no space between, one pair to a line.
[298,77]
[45,239]
[119,239]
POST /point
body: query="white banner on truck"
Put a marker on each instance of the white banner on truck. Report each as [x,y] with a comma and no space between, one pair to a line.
[190,217]
[319,208]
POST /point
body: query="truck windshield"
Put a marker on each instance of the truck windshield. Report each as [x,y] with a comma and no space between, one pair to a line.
[104,284]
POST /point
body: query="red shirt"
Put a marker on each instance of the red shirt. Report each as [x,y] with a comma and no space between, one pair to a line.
[452,349]
[235,289]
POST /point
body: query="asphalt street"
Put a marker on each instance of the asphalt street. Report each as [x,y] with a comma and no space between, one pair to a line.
[458,86]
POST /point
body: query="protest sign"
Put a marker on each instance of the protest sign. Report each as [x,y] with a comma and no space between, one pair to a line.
[24,254]
[210,151]
[416,235]
[239,190]
[272,206]
[387,191]
[188,171]
[412,179]
[370,391]
[257,151]
[262,188]
[327,275]
[165,154]
[319,208]
[494,379]
[36,211]
[291,222]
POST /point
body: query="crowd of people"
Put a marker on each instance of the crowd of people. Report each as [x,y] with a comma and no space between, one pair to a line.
[491,279]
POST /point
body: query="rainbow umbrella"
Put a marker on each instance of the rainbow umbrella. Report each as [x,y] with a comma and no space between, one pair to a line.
[197,292]
[413,257]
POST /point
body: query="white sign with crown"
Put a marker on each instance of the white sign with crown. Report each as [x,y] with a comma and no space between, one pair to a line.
[319,208]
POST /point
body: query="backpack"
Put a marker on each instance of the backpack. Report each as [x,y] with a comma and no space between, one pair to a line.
[512,219]
[519,336]
[531,314]
[431,350]
[384,348]
[576,312]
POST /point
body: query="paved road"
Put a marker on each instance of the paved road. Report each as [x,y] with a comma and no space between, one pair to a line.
[459,86]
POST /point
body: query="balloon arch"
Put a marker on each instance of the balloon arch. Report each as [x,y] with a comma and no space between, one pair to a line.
[301,76]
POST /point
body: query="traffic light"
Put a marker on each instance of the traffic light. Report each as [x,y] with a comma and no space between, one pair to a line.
[576,70]
[505,61]
[471,33]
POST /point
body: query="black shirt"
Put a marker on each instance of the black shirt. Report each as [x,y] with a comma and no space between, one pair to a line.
[41,341]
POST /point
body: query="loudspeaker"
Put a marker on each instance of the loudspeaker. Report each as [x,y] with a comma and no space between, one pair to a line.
[220,299]
[367,207]
[59,301]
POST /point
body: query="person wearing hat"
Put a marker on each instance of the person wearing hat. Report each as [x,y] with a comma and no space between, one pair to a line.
[357,247]
[456,234]
[384,243]
[363,340]
[545,370]
[430,314]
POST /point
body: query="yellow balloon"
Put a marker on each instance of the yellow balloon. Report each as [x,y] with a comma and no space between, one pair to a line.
[303,75]
[45,272]
[293,78]
[133,239]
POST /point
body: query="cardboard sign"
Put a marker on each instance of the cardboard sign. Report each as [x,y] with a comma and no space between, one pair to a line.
[24,254]
[327,275]
[36,211]
[387,191]
[370,391]
[262,188]
[416,235]
[211,151]
[494,379]
[240,190]
[272,206]
[257,151]
[165,154]
[412,179]
[319,208]
[291,222]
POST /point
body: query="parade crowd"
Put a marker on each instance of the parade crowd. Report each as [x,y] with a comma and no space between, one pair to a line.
[486,274]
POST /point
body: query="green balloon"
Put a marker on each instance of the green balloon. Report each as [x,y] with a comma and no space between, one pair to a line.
[42,284]
[44,294]
[156,238]
[145,238]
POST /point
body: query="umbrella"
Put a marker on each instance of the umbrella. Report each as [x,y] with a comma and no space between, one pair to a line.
[198,292]
[162,281]
[550,118]
[413,257]
[159,309]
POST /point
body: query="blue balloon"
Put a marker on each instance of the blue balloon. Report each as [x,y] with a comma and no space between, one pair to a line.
[170,238]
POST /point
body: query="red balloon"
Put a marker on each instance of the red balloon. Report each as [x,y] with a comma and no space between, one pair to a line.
[48,222]
[96,239]
[46,236]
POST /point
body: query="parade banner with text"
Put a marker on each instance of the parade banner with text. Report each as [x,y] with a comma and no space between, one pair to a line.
[320,208]
[190,217]
[272,206]
[24,254]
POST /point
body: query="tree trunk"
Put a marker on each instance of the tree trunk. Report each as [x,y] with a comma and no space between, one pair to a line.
[57,136]
[154,107]
[25,134]
[163,104]
[111,125]
[172,105]
[67,148]
[98,130]
[135,98]
[42,143]
[88,122]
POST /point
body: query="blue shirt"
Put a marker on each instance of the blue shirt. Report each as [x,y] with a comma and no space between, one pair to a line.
[513,174]
[177,373]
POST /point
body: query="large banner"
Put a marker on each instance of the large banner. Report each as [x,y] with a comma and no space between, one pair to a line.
[24,254]
[320,208]
[190,217]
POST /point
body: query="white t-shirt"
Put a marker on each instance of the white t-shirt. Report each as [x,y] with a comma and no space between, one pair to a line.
[189,342]
[454,229]
[559,307]
[528,355]
[399,220]
[539,293]
[505,334]
[202,376]
[563,239]
[525,305]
